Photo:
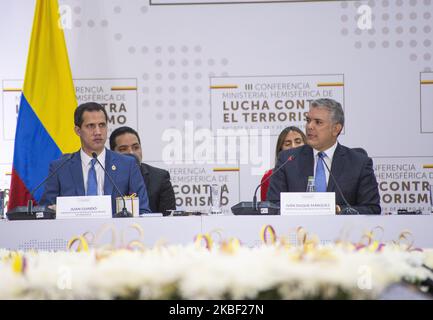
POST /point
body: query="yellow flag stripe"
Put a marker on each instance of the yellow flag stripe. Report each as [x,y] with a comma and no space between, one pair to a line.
[48,87]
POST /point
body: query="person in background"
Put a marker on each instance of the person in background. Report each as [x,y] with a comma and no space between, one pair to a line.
[125,140]
[290,137]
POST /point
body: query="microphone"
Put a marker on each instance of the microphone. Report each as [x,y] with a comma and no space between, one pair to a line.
[38,212]
[290,158]
[30,201]
[124,213]
[266,207]
[348,210]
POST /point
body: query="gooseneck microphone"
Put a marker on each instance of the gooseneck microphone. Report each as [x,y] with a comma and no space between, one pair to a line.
[290,158]
[38,212]
[348,209]
[263,207]
[121,214]
[30,201]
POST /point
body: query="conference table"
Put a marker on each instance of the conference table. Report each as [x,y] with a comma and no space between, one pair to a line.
[54,235]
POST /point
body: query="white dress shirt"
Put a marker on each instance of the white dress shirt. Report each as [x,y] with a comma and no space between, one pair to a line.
[86,163]
[328,160]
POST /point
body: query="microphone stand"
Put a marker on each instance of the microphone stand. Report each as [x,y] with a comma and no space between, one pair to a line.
[30,201]
[266,207]
[30,206]
[124,213]
[255,204]
[36,212]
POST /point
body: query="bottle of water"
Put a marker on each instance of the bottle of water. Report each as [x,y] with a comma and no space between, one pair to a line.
[311,187]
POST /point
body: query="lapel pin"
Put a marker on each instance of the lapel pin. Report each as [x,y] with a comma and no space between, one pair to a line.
[113,167]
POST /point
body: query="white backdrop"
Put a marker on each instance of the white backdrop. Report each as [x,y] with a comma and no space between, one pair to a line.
[173,55]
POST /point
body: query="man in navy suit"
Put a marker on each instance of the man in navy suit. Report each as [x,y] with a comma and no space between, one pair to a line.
[352,169]
[81,175]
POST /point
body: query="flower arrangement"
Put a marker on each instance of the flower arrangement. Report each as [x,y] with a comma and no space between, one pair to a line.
[209,270]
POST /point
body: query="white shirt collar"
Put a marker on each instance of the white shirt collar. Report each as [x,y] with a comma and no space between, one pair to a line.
[329,152]
[85,158]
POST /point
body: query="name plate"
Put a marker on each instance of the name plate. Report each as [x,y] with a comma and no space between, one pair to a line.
[304,203]
[83,207]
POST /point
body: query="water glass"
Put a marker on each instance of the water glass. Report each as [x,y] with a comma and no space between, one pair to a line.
[215,198]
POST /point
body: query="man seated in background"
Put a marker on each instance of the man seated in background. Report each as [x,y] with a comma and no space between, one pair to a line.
[160,191]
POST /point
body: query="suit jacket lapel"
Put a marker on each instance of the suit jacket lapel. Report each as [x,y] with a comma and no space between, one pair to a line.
[337,167]
[76,171]
[111,168]
[306,164]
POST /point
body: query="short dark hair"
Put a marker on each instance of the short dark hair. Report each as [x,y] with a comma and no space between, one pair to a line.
[88,106]
[120,131]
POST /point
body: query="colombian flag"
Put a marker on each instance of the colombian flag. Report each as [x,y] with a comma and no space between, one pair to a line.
[45,127]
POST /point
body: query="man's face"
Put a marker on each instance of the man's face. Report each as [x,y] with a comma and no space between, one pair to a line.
[93,132]
[321,132]
[128,143]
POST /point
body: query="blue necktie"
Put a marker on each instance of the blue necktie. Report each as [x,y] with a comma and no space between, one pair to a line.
[320,177]
[92,183]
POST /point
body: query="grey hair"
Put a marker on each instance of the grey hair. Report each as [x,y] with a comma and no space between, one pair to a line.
[334,107]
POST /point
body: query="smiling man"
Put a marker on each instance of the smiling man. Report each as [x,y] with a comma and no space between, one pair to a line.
[352,168]
[80,174]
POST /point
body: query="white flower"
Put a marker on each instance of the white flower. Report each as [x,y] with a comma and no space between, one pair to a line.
[188,272]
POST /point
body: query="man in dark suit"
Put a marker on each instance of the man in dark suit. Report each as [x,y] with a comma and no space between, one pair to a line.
[352,168]
[80,174]
[161,195]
